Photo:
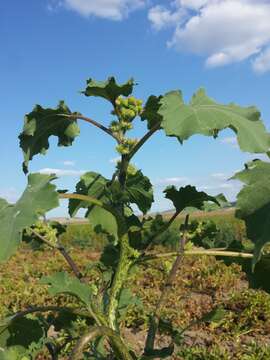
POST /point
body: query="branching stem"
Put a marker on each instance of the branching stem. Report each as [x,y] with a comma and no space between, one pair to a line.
[161,231]
[141,142]
[35,309]
[93,122]
[150,340]
[95,314]
[63,251]
[114,339]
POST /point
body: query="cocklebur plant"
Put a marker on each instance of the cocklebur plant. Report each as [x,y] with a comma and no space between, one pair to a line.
[109,205]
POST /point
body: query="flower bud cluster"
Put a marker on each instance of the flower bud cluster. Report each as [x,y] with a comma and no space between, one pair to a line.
[46,231]
[126,110]
[126,146]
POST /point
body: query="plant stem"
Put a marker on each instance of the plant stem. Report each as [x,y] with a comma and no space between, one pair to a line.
[46,309]
[161,231]
[123,171]
[95,314]
[93,122]
[198,253]
[70,262]
[120,275]
[114,339]
[87,198]
[63,251]
[141,142]
[118,216]
[150,340]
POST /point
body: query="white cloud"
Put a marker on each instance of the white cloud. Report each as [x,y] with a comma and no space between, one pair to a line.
[10,194]
[69,163]
[172,181]
[62,172]
[192,4]
[226,186]
[107,9]
[222,31]
[262,63]
[161,17]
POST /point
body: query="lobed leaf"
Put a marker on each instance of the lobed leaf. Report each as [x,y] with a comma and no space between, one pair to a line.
[187,196]
[38,198]
[109,89]
[253,203]
[94,184]
[62,282]
[127,298]
[204,116]
[18,336]
[42,123]
[140,191]
[150,111]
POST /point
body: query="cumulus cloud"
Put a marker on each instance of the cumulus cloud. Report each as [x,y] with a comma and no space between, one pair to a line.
[61,172]
[222,31]
[161,17]
[262,63]
[107,9]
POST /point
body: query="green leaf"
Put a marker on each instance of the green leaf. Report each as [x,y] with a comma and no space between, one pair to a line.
[19,335]
[38,198]
[214,316]
[62,282]
[95,185]
[42,123]
[187,196]
[253,203]
[166,327]
[140,191]
[222,203]
[3,204]
[204,116]
[92,184]
[109,89]
[127,298]
[110,256]
[12,353]
[150,111]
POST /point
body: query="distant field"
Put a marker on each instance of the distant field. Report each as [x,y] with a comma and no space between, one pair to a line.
[166,214]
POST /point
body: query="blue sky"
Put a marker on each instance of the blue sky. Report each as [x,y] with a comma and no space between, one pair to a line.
[49,48]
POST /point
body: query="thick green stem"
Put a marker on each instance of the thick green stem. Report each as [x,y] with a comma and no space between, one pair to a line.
[126,259]
[114,339]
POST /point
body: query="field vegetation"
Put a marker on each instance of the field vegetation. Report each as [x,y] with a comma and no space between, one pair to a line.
[240,331]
